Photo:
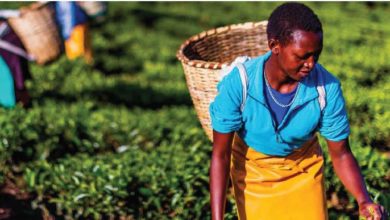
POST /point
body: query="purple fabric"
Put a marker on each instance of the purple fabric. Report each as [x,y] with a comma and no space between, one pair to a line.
[18,65]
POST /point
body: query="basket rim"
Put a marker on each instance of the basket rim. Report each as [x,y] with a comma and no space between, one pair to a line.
[209,64]
[32,7]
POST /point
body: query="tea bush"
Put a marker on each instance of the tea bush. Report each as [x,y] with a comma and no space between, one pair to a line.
[166,182]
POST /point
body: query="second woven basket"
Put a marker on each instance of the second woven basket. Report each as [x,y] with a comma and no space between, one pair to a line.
[203,55]
[37,29]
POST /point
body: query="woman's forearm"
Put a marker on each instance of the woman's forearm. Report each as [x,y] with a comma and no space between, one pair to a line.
[348,170]
[219,175]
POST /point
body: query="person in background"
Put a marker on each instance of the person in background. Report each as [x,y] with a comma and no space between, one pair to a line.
[14,68]
[270,148]
[73,24]
[7,92]
[94,9]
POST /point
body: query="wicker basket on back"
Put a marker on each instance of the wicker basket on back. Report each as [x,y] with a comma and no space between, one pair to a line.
[37,29]
[203,56]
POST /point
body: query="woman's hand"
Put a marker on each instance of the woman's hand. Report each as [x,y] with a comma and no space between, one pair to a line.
[372,211]
[347,169]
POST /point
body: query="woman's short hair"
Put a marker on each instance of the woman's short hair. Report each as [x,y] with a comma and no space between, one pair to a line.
[290,17]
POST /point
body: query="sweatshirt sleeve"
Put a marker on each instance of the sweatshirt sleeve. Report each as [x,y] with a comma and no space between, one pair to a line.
[334,124]
[225,109]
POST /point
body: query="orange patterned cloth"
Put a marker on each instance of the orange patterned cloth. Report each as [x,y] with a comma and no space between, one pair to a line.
[268,187]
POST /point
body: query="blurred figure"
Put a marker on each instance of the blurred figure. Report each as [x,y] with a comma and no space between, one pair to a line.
[95,10]
[73,25]
[7,93]
[14,68]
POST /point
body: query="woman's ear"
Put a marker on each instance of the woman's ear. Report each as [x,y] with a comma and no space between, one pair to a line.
[274,45]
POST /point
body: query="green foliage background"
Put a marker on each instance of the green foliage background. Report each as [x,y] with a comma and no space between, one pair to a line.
[121,139]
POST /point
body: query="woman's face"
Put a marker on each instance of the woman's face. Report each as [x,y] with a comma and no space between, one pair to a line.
[298,57]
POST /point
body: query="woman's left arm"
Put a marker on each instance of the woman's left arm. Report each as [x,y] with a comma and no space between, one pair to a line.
[347,169]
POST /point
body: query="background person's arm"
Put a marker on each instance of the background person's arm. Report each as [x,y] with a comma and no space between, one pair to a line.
[219,172]
[348,170]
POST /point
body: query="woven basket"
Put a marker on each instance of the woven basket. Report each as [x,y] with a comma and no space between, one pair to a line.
[203,56]
[37,29]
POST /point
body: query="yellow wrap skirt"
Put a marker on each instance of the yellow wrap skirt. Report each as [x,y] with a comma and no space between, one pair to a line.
[278,188]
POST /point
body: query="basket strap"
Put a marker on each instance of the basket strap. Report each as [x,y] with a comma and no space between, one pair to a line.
[3,29]
[16,50]
[9,13]
[244,82]
[321,91]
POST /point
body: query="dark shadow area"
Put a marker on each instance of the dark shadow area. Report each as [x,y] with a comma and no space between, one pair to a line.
[339,204]
[132,95]
[381,145]
[127,94]
[148,17]
[15,204]
[54,95]
[373,5]
[108,62]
